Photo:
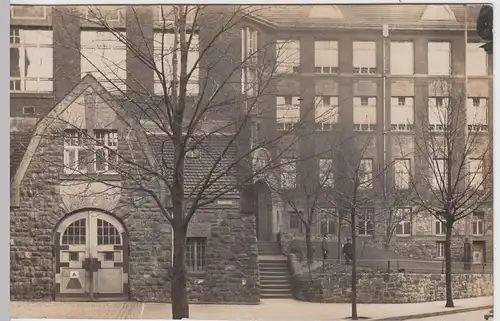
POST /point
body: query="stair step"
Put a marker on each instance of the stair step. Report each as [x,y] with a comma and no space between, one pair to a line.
[276,291]
[275,286]
[273,296]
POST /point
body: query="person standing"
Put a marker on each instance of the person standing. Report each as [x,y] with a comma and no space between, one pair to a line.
[347,251]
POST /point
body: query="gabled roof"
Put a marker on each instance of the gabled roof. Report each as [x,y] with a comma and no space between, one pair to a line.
[370,16]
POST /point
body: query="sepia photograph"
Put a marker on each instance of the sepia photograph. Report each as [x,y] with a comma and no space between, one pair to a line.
[266,161]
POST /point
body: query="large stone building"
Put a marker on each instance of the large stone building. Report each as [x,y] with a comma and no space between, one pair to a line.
[372,64]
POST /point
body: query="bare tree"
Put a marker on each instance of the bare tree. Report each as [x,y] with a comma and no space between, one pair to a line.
[196,99]
[452,177]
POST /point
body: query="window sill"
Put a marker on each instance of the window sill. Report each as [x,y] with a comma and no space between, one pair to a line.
[365,236]
[21,94]
[90,177]
[403,236]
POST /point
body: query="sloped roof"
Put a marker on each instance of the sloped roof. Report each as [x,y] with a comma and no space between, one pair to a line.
[197,168]
[20,135]
[403,16]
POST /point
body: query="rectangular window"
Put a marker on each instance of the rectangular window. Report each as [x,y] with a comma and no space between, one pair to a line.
[440,250]
[31,60]
[196,253]
[104,55]
[477,114]
[402,113]
[326,173]
[249,58]
[328,221]
[288,56]
[365,113]
[326,57]
[439,174]
[104,13]
[403,219]
[365,173]
[402,62]
[28,12]
[75,151]
[106,157]
[365,221]
[477,60]
[476,171]
[440,228]
[287,112]
[402,170]
[478,224]
[163,58]
[438,109]
[439,58]
[288,173]
[326,112]
[364,57]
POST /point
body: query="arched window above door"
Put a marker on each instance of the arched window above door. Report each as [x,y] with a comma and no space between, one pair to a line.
[75,233]
[107,233]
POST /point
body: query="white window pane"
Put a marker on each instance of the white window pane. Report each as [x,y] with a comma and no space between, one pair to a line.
[477,60]
[439,58]
[402,60]
[364,54]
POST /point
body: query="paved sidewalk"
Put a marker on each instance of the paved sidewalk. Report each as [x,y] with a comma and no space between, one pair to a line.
[290,310]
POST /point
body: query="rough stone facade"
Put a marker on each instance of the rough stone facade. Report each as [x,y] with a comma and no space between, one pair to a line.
[334,286]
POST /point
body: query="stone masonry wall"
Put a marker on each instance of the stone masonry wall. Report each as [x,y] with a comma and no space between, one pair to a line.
[232,269]
[389,287]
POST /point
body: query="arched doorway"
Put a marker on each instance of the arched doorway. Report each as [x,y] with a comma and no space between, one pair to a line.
[91,258]
[263,211]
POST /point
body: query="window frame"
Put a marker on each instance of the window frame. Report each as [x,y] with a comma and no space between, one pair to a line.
[478,220]
[193,244]
[288,175]
[440,249]
[439,228]
[323,68]
[392,63]
[429,55]
[366,217]
[82,145]
[363,69]
[326,221]
[18,84]
[107,147]
[284,67]
[329,181]
[287,122]
[325,123]
[407,221]
[407,161]
[369,185]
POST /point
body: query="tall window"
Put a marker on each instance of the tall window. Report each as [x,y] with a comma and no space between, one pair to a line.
[328,221]
[326,112]
[288,173]
[476,173]
[294,220]
[365,113]
[403,218]
[440,228]
[365,173]
[402,61]
[365,221]
[287,112]
[196,253]
[402,169]
[439,58]
[75,152]
[31,60]
[326,57]
[364,57]
[477,114]
[478,224]
[249,58]
[439,174]
[106,156]
[477,60]
[402,111]
[438,109]
[104,55]
[163,58]
[326,173]
[440,250]
[288,56]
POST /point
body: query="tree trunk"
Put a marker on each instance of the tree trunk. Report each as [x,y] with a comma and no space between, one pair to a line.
[180,307]
[354,292]
[447,255]
[309,247]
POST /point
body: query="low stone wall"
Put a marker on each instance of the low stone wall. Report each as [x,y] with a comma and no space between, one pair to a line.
[378,287]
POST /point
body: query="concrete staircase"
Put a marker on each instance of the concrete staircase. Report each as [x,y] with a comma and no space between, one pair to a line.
[275,279]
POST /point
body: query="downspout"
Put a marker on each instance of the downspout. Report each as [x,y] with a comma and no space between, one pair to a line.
[385,34]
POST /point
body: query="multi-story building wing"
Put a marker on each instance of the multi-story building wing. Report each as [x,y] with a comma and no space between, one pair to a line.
[364,71]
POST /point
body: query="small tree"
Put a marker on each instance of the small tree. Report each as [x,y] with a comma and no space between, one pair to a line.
[452,152]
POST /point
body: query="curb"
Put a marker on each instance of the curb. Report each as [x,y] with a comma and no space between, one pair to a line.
[435,314]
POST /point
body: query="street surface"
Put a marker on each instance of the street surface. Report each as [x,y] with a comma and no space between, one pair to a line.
[469,316]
